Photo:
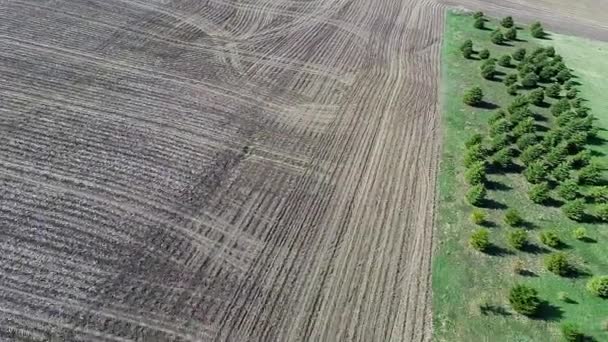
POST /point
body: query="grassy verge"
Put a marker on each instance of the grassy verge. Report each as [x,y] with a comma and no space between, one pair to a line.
[464,279]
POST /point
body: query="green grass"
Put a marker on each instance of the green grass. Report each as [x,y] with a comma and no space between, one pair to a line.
[462,278]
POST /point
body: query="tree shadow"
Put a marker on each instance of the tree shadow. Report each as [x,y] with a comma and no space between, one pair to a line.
[497,186]
[539,117]
[527,273]
[545,36]
[492,204]
[492,309]
[577,272]
[528,225]
[549,312]
[553,202]
[487,105]
[588,239]
[498,251]
[535,249]
[541,128]
[595,153]
[569,300]
[596,140]
[544,104]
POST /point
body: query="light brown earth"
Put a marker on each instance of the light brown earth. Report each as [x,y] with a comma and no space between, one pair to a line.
[221,170]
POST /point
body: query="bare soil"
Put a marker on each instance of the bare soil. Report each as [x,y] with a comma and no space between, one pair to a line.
[221,170]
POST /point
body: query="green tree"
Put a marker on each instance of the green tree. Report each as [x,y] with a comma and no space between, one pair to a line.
[478,216]
[524,126]
[590,174]
[550,51]
[507,22]
[571,333]
[476,194]
[478,14]
[499,142]
[535,172]
[473,96]
[581,159]
[539,193]
[553,90]
[499,114]
[560,107]
[598,286]
[550,238]
[571,94]
[488,72]
[546,73]
[473,154]
[501,126]
[518,103]
[512,89]
[568,190]
[563,76]
[536,30]
[484,54]
[480,239]
[536,97]
[510,79]
[580,233]
[497,37]
[512,218]
[526,140]
[558,263]
[479,23]
[474,139]
[601,212]
[519,54]
[529,80]
[561,172]
[532,154]
[467,44]
[511,34]
[524,300]
[476,173]
[599,193]
[502,158]
[569,85]
[504,61]
[574,210]
[517,238]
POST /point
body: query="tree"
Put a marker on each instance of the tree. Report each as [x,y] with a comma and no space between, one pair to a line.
[478,14]
[497,37]
[529,80]
[558,263]
[473,96]
[550,51]
[476,194]
[549,238]
[488,71]
[517,238]
[467,44]
[537,31]
[504,61]
[484,54]
[473,154]
[563,76]
[553,90]
[480,239]
[519,54]
[518,103]
[536,97]
[510,79]
[499,142]
[532,154]
[561,172]
[569,84]
[479,23]
[499,114]
[475,139]
[580,233]
[574,210]
[535,172]
[478,216]
[476,173]
[524,300]
[512,218]
[526,140]
[599,193]
[512,89]
[560,107]
[539,193]
[546,73]
[507,22]
[590,174]
[511,34]
[502,158]
[501,126]
[601,212]
[571,94]
[524,126]
[571,333]
[598,286]
[581,159]
[568,190]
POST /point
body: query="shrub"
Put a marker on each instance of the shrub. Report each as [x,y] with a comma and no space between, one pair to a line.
[535,172]
[510,79]
[526,125]
[476,194]
[499,114]
[518,103]
[517,238]
[501,126]
[556,155]
[497,37]
[590,174]
[502,158]
[476,173]
[519,54]
[574,210]
[512,218]
[467,44]
[536,97]
[568,85]
[598,286]
[549,238]
[561,172]
[558,263]
[484,54]
[507,22]
[546,73]
[550,51]
[536,30]
[511,34]
[560,107]
[568,190]
[479,23]
[532,154]
[478,216]
[524,300]
[530,80]
[526,140]
[475,139]
[474,154]
[601,212]
[580,233]
[488,72]
[563,76]
[539,193]
[480,239]
[571,332]
[553,90]
[599,193]
[571,94]
[505,61]
[581,159]
[478,15]
[512,90]
[473,96]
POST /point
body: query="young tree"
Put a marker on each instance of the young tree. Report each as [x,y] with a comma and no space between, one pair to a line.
[502,158]
[550,51]
[558,263]
[525,125]
[504,61]
[539,193]
[480,239]
[529,80]
[499,142]
[512,89]
[476,173]
[473,154]
[537,31]
[479,23]
[517,238]
[549,238]
[518,103]
[536,97]
[467,52]
[572,333]
[478,14]
[507,22]
[497,37]
[561,172]
[524,300]
[474,139]
[580,233]
[546,73]
[511,34]
[581,159]
[569,84]
[601,212]
[560,107]
[568,190]
[501,126]
[599,194]
[488,72]
[512,218]
[574,210]
[499,114]
[532,154]
[476,195]
[571,94]
[526,140]
[535,172]
[510,79]
[467,44]
[473,96]
[553,90]
[519,54]
[478,216]
[598,286]
[590,174]
[484,54]
[563,76]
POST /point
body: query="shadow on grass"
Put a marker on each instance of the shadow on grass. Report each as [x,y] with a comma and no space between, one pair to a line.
[544,104]
[595,153]
[492,309]
[497,186]
[539,117]
[535,249]
[492,204]
[587,239]
[527,273]
[549,312]
[487,105]
[541,128]
[495,250]
[553,202]
[596,140]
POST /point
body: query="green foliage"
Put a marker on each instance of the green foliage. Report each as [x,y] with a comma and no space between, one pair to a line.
[511,34]
[571,333]
[536,97]
[510,79]
[488,71]
[574,210]
[561,172]
[536,30]
[580,233]
[556,155]
[476,194]
[480,239]
[497,37]
[517,238]
[504,61]
[590,174]
[550,51]
[598,286]
[568,85]
[519,54]
[563,76]
[530,80]
[475,139]
[524,300]
[568,190]
[518,103]
[558,263]
[478,15]
[535,172]
[601,212]
[479,23]
[553,90]
[467,44]
[507,22]
[526,140]
[525,126]
[571,94]
[581,159]
[599,193]
[499,114]
[539,193]
[546,73]
[550,238]
[560,107]
[473,154]
[531,154]
[501,126]
[476,173]
[512,218]
[473,96]
[484,54]
[512,89]
[499,142]
[478,216]
[502,158]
